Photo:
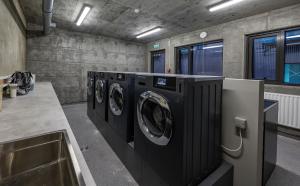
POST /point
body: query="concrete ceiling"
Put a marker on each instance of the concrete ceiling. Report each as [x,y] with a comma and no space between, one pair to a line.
[117,18]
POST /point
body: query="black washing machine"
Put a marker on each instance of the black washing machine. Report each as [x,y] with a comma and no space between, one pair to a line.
[178,126]
[101,97]
[91,94]
[121,104]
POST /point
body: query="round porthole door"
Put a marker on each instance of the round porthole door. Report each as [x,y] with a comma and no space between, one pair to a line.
[116,99]
[100,91]
[155,118]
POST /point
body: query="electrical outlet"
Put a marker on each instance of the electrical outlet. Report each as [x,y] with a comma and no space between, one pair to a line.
[240,123]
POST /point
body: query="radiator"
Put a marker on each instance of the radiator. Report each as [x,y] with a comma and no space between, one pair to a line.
[289,109]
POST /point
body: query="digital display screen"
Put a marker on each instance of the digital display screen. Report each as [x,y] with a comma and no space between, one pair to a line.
[162,81]
[167,83]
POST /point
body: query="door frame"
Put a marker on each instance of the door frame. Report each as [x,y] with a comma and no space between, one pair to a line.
[190,56]
[152,60]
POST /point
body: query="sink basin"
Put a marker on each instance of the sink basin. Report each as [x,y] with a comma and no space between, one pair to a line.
[43,160]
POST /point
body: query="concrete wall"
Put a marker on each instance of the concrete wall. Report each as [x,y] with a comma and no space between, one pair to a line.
[20,11]
[64,58]
[12,43]
[233,33]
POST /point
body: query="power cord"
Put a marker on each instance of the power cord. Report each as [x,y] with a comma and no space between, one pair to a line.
[237,149]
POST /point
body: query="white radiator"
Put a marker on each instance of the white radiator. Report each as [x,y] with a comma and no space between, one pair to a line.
[289,108]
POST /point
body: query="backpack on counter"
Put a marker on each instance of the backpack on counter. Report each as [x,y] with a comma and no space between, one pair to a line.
[24,80]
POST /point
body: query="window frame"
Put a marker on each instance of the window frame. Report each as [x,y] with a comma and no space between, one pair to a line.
[190,47]
[280,58]
[152,60]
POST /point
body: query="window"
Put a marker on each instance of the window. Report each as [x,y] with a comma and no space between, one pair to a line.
[201,59]
[207,59]
[264,58]
[292,57]
[275,57]
[158,61]
[184,66]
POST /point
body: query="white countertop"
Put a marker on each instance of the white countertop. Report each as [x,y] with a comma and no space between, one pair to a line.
[37,113]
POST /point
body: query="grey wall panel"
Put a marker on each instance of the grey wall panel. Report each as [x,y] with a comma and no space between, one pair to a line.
[244,98]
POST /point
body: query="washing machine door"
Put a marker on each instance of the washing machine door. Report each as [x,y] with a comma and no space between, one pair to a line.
[100,90]
[90,86]
[155,118]
[116,99]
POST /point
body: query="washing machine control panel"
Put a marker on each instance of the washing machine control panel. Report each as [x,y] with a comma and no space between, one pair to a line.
[168,83]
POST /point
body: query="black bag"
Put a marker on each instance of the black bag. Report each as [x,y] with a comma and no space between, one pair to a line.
[24,80]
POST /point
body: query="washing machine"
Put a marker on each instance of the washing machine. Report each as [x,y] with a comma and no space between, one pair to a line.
[121,104]
[178,126]
[101,97]
[90,94]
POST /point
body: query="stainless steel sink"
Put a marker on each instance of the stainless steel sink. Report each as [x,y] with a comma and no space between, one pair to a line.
[39,161]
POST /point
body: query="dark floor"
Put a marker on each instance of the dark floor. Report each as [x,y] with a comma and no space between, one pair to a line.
[104,164]
[108,170]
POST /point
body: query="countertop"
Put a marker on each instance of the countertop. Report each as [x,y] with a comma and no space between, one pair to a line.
[37,113]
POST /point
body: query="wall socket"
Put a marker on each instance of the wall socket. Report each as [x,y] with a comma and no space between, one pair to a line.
[240,123]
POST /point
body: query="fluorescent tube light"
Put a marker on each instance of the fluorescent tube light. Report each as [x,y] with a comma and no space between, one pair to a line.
[210,47]
[149,32]
[224,5]
[84,13]
[291,37]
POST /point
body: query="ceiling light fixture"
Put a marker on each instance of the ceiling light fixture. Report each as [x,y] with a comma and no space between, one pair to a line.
[86,9]
[224,4]
[152,31]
